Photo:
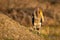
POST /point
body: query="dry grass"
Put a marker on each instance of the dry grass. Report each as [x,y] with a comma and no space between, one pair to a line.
[11,30]
[23,9]
[49,32]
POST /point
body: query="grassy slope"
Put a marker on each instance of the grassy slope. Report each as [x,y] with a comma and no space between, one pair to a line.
[11,30]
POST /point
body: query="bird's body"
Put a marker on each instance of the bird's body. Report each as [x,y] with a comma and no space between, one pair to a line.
[38,18]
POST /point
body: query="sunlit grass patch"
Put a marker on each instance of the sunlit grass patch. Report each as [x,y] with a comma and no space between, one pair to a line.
[49,32]
[45,30]
[54,30]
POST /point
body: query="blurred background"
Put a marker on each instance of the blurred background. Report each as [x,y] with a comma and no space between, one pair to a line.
[21,11]
[18,9]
